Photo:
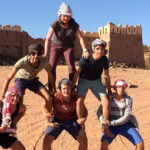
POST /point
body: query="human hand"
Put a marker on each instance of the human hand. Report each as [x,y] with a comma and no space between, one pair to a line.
[3,129]
[86,54]
[81,121]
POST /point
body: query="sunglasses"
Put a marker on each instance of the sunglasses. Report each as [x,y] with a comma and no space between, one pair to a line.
[36,53]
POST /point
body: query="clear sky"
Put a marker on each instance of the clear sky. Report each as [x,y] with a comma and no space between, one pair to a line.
[35,16]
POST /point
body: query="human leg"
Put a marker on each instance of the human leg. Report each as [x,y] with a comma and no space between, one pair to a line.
[82,89]
[140,146]
[17,145]
[80,107]
[20,114]
[128,131]
[53,59]
[51,134]
[47,100]
[82,139]
[70,61]
[99,91]
[47,142]
[104,145]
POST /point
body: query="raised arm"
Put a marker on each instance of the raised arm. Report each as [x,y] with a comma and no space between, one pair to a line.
[48,41]
[8,80]
[82,42]
[76,75]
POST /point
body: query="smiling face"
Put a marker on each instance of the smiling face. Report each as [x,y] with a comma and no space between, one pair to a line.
[66,90]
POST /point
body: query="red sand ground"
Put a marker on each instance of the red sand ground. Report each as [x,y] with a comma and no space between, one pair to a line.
[31,126]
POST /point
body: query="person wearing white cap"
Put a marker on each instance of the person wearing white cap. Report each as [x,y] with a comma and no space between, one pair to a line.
[122,122]
[64,32]
[89,72]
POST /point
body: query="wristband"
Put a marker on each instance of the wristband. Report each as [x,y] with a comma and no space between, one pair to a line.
[85,50]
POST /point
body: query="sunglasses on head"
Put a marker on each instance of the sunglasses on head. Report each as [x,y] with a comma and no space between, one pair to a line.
[36,53]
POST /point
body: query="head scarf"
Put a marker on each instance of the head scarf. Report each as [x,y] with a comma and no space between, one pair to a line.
[120,83]
[7,104]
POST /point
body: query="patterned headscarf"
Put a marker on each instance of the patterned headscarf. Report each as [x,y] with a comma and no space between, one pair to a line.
[7,104]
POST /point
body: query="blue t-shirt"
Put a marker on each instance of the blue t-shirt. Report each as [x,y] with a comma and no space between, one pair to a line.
[92,69]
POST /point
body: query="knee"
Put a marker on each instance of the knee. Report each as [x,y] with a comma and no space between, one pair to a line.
[140,145]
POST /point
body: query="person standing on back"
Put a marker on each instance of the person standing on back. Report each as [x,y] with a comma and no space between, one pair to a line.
[64,32]
[88,74]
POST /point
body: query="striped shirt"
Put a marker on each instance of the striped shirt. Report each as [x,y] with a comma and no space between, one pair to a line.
[120,111]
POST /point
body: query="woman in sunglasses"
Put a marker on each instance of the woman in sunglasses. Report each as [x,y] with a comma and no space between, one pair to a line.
[25,71]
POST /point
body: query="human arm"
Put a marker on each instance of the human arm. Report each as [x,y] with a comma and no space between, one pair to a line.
[48,41]
[127,113]
[21,112]
[51,80]
[8,80]
[82,42]
[76,75]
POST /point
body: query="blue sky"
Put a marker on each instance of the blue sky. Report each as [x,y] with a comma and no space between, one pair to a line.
[35,16]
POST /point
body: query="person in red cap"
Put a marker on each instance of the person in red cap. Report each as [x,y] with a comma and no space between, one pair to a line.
[122,122]
[10,113]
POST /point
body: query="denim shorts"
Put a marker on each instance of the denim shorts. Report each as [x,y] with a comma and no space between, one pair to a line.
[95,86]
[127,130]
[6,140]
[34,85]
[71,126]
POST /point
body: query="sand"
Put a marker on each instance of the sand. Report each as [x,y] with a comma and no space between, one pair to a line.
[31,126]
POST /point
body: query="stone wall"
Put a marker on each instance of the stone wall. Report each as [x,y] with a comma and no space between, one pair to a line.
[14,42]
[88,37]
[124,43]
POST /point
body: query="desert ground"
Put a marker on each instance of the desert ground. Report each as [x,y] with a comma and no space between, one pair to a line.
[31,126]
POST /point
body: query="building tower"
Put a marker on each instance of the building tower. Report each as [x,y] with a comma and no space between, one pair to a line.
[124,43]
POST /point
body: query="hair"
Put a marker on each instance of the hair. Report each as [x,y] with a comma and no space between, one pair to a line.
[36,47]
[65,81]
[98,42]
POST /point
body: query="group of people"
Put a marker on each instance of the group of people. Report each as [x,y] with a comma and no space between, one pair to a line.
[64,107]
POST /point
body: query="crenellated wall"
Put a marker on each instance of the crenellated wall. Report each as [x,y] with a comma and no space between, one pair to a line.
[124,43]
[14,42]
[88,37]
